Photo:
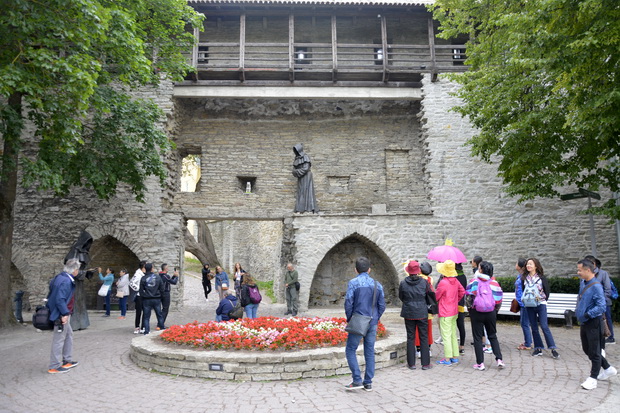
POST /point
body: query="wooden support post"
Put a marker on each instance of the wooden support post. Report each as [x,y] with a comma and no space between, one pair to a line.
[384,45]
[291,47]
[195,54]
[431,45]
[334,50]
[242,47]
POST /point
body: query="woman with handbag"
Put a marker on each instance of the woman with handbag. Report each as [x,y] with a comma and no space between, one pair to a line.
[221,281]
[412,291]
[106,288]
[122,292]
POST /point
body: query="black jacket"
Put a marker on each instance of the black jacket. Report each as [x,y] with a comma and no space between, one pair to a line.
[412,292]
[151,286]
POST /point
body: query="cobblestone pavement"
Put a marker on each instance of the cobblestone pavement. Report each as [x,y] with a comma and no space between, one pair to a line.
[106,380]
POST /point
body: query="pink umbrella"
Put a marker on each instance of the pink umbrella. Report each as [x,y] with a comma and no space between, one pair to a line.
[446,252]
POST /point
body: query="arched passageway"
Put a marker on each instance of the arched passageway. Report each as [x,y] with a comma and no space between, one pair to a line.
[329,285]
[105,252]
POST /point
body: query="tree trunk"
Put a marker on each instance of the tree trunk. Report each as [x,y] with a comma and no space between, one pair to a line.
[203,248]
[8,194]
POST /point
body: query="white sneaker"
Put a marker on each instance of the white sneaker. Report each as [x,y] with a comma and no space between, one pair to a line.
[603,352]
[418,354]
[607,373]
[589,384]
[439,341]
[488,350]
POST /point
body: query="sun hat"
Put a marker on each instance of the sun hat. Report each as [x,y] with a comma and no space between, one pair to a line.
[447,268]
[412,267]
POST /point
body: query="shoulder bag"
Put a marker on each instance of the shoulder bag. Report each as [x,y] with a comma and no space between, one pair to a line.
[103,291]
[431,301]
[359,324]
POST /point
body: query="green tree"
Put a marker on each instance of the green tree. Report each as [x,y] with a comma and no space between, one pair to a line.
[67,67]
[543,90]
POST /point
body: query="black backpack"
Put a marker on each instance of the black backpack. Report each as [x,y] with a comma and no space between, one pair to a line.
[237,312]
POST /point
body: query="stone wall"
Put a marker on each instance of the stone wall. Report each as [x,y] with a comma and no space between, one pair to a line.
[254,244]
[362,153]
[46,226]
[395,177]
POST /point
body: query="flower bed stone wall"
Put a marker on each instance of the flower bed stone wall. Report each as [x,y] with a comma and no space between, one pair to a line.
[151,353]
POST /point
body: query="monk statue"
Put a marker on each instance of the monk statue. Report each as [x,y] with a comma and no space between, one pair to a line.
[306,201]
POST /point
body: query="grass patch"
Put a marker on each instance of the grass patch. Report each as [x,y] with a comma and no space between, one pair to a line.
[193,265]
[267,288]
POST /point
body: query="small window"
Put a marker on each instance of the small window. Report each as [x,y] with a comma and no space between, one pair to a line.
[203,54]
[247,184]
[190,173]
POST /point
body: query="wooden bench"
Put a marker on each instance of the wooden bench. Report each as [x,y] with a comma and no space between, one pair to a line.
[558,306]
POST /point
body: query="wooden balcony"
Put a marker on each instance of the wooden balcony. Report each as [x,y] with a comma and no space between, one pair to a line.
[323,63]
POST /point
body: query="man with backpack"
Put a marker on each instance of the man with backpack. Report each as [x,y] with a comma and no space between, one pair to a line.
[589,312]
[60,303]
[228,306]
[483,297]
[151,291]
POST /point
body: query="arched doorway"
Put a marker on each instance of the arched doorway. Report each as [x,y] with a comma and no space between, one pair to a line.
[105,252]
[337,268]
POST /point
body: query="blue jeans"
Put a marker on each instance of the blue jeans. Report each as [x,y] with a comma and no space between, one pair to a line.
[353,341]
[251,310]
[525,326]
[610,322]
[122,303]
[107,301]
[155,305]
[536,315]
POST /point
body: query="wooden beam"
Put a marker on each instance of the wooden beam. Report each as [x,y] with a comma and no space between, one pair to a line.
[291,47]
[384,45]
[242,46]
[334,50]
[431,45]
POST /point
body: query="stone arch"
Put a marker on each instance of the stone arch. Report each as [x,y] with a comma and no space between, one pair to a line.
[108,251]
[336,268]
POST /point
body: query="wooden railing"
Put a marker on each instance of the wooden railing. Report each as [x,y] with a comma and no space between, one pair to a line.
[325,61]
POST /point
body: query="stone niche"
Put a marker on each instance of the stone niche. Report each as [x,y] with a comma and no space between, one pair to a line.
[337,268]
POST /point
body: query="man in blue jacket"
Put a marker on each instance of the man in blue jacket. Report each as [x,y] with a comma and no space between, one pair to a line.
[589,311]
[60,303]
[359,299]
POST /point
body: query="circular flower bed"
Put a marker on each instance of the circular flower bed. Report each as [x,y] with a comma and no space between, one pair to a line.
[263,333]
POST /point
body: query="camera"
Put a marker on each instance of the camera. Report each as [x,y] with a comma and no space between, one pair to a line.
[58,325]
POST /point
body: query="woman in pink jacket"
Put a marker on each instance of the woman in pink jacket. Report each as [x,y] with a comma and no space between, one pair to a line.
[449,292]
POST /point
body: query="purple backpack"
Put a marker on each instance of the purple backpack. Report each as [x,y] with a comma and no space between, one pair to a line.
[484,301]
[255,296]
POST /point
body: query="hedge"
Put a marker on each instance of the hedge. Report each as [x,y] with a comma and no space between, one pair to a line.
[565,285]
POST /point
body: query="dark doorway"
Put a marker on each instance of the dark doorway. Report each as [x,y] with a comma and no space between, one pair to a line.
[337,268]
[108,252]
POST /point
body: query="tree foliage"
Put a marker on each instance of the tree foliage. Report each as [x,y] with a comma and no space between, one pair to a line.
[67,71]
[74,62]
[543,90]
